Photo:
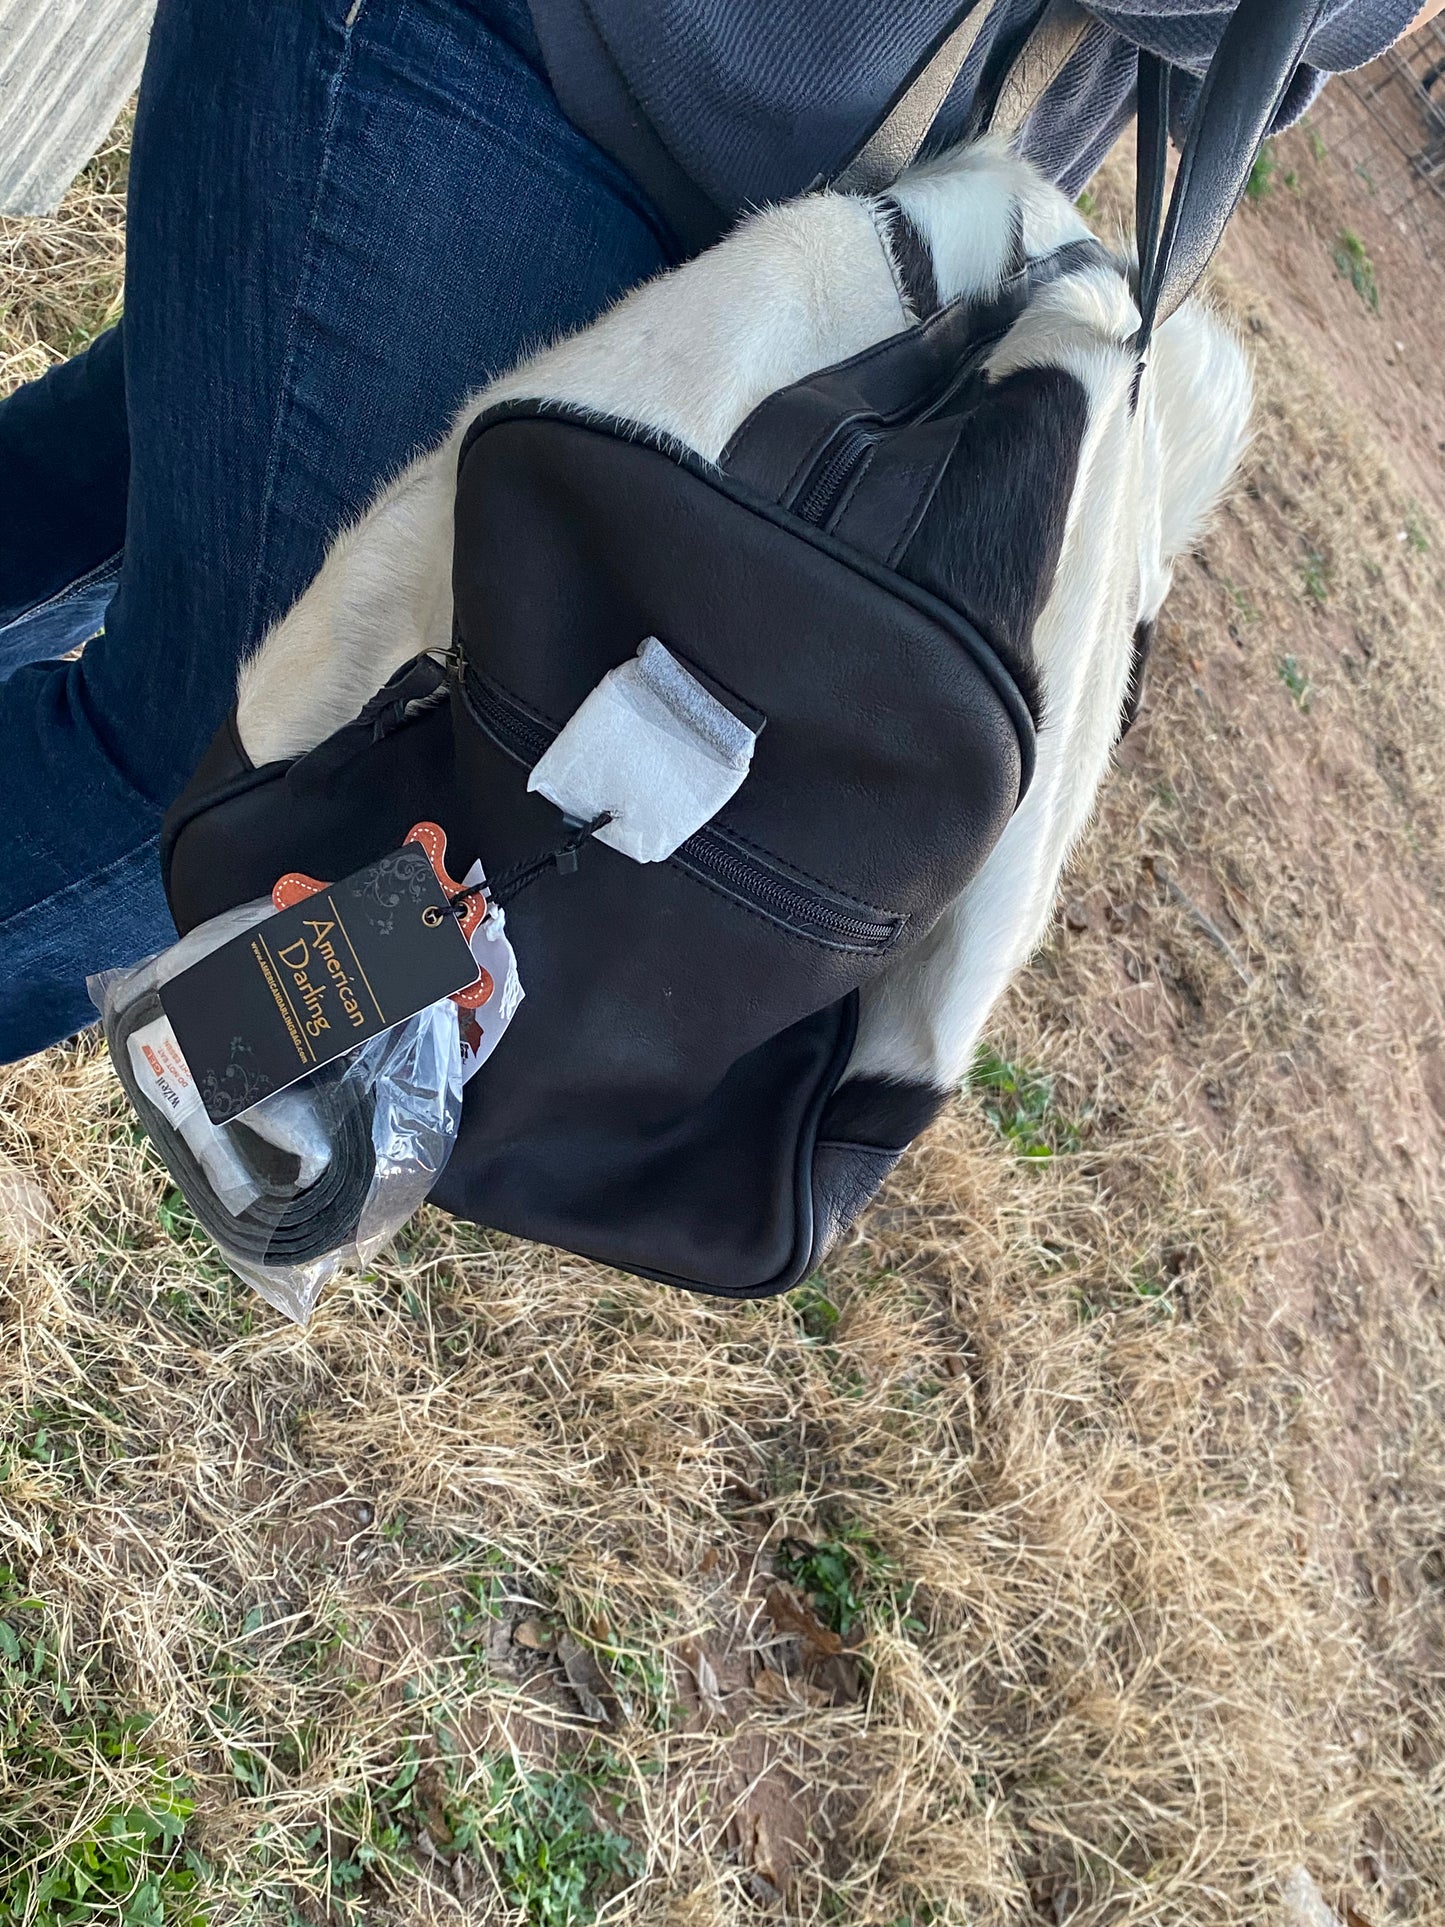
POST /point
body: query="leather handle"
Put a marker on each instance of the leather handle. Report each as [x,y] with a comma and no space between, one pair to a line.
[1152,166]
[1257,55]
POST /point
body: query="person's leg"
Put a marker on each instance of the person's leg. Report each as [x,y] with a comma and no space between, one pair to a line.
[344,216]
[64,462]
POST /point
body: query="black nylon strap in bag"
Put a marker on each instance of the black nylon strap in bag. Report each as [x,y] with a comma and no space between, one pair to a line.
[287,1223]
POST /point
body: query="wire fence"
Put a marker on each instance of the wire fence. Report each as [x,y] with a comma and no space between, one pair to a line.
[1386,123]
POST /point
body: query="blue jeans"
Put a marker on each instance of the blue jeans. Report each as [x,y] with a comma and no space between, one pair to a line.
[343,216]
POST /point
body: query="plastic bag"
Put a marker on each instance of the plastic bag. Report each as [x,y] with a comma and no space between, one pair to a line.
[316,1176]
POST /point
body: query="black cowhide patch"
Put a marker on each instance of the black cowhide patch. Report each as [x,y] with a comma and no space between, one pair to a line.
[989,540]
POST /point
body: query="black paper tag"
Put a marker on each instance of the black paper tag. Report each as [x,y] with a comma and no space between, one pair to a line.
[316,980]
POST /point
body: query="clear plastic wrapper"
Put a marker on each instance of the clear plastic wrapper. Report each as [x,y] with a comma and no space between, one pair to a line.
[319,1175]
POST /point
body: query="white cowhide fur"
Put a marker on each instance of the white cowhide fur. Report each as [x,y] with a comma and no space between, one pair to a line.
[689,355]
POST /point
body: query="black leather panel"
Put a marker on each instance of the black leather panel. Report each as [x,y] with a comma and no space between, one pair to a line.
[863,1132]
[845,1178]
[889,764]
[233,832]
[895,381]
[716,1196]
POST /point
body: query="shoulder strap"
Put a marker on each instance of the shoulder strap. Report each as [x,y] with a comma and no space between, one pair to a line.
[1018,72]
[1259,50]
[1030,66]
[1151,170]
[895,141]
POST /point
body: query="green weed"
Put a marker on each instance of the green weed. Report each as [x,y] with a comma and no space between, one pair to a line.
[129,1870]
[1352,261]
[1414,530]
[1019,1103]
[556,1864]
[129,1865]
[1316,579]
[848,1580]
[1295,680]
[639,1678]
[1154,1294]
[1243,602]
[1087,204]
[1317,145]
[816,1314]
[1261,175]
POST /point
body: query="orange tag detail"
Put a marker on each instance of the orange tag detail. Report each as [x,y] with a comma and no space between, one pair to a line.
[296,886]
[293,888]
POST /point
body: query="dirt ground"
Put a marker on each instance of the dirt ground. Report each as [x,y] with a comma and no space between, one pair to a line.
[1390,375]
[1071,1550]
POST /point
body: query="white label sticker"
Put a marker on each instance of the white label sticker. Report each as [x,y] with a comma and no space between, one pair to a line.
[482,1029]
[161,1071]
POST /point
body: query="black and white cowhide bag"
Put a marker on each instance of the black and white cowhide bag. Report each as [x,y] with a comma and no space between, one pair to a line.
[810,580]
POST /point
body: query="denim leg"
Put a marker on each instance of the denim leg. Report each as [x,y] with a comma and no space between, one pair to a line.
[344,215]
[64,466]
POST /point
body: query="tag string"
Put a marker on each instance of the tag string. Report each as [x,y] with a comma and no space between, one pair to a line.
[562,858]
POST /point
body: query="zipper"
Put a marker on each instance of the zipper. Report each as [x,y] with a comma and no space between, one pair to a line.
[821,495]
[751,879]
[734,869]
[824,489]
[513,729]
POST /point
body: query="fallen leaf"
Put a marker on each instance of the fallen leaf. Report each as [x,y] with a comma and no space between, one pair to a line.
[26,1213]
[532,1634]
[591,1687]
[709,1689]
[1305,1905]
[790,1613]
[840,1679]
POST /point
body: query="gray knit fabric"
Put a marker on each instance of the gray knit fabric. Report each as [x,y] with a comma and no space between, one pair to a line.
[735,103]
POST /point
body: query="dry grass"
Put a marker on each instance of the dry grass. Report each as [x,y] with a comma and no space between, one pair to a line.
[60,275]
[1120,1470]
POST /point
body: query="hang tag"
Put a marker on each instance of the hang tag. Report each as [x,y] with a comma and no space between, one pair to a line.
[162,1072]
[482,1024]
[313,982]
[164,1078]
